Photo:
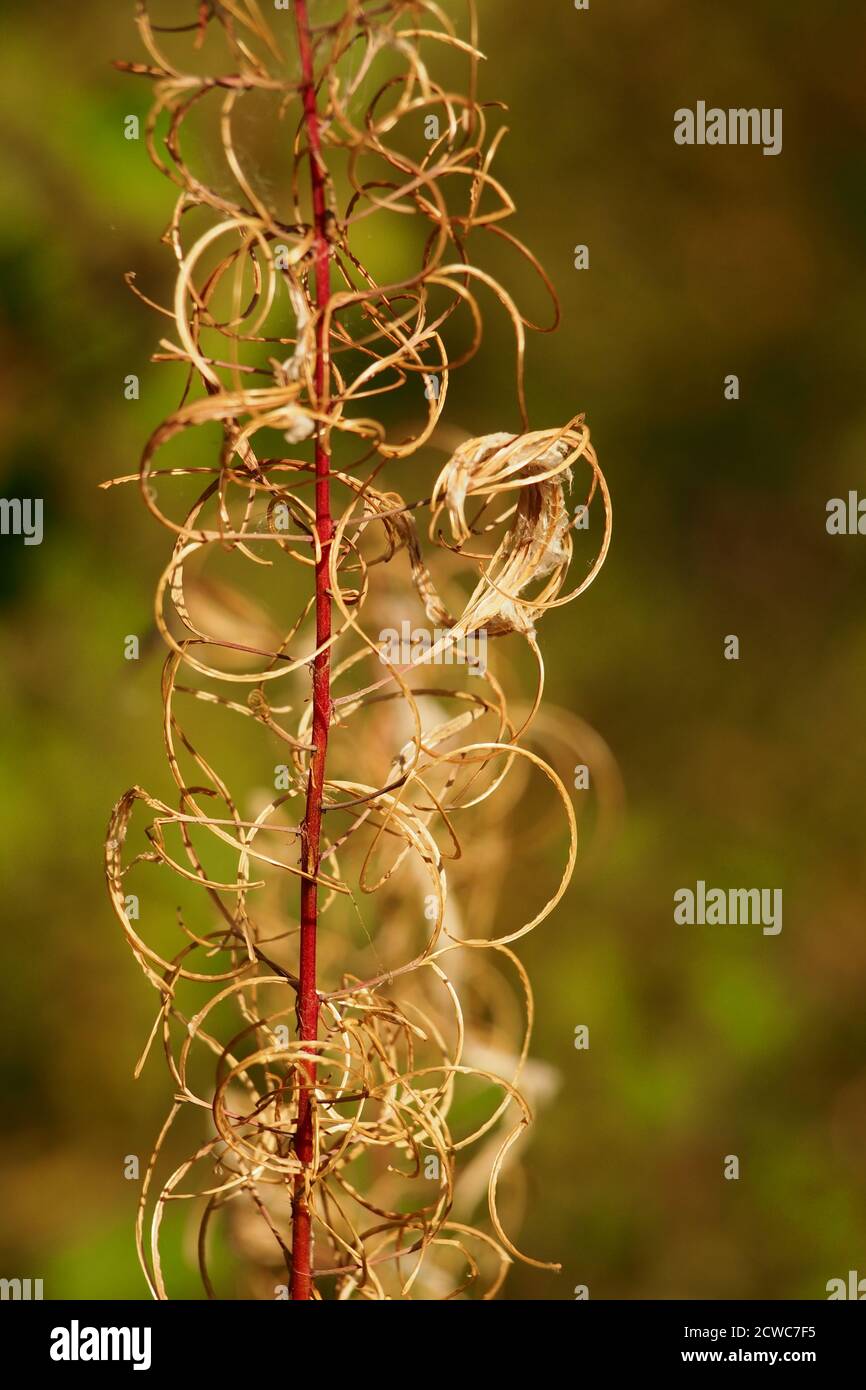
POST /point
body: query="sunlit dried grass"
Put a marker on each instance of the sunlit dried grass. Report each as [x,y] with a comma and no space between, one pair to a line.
[422,754]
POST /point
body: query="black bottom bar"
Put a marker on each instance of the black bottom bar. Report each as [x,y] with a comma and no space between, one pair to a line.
[84,1339]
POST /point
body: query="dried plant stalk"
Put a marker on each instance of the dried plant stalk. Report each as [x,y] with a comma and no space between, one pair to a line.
[326,1131]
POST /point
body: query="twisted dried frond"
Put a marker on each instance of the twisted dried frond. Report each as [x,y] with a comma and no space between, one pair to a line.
[342,1101]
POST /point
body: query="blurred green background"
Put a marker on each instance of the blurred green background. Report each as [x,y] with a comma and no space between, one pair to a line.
[703,262]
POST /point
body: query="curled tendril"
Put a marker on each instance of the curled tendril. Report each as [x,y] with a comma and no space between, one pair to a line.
[416,1061]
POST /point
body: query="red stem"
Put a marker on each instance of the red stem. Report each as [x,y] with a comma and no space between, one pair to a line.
[308,998]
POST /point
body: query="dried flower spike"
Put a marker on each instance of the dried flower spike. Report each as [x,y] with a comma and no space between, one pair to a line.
[339,996]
